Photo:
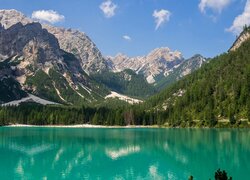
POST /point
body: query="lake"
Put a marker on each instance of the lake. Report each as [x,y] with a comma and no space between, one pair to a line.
[143,153]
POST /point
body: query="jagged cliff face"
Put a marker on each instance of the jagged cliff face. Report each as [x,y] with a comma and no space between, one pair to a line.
[71,41]
[245,35]
[55,63]
[32,42]
[158,62]
[190,65]
[185,68]
[81,46]
[10,17]
[36,61]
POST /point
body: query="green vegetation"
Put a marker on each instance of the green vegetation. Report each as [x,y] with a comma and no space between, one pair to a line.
[10,89]
[219,90]
[47,85]
[246,29]
[126,82]
[216,95]
[219,175]
[43,86]
[177,74]
[54,115]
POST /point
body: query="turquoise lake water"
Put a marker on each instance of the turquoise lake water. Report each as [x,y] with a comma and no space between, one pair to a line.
[68,153]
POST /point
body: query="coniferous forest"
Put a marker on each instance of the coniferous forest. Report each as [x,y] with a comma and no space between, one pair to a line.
[217,91]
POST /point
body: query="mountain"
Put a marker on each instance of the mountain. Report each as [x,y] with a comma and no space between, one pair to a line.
[65,66]
[244,35]
[157,63]
[76,52]
[42,68]
[79,44]
[218,90]
[126,82]
[71,41]
[10,89]
[185,68]
[10,17]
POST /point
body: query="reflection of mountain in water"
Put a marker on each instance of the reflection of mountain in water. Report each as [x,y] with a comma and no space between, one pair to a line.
[122,153]
[32,150]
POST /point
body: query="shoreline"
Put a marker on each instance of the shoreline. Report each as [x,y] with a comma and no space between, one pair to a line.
[194,125]
[81,126]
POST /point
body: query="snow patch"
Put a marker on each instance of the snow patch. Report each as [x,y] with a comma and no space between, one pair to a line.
[58,93]
[30,98]
[79,94]
[150,79]
[46,70]
[21,79]
[23,64]
[86,88]
[2,57]
[123,98]
[179,93]
[186,72]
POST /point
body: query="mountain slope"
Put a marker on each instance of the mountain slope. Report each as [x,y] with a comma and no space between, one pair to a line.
[220,89]
[77,60]
[79,44]
[244,35]
[71,41]
[126,82]
[183,69]
[45,70]
[158,62]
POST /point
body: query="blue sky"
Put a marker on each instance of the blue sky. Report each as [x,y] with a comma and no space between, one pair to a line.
[135,27]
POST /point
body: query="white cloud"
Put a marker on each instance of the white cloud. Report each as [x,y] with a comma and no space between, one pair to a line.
[108,8]
[215,5]
[48,16]
[126,37]
[161,17]
[241,20]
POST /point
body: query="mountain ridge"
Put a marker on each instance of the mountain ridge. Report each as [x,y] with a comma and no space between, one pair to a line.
[35,54]
[158,61]
[65,66]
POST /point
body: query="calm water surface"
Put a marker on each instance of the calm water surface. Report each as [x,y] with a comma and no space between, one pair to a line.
[67,153]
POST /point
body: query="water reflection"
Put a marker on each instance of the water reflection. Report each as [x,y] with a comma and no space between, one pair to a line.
[121,152]
[35,153]
[30,151]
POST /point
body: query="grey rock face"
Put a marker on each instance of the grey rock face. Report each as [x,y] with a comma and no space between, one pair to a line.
[32,42]
[30,48]
[81,46]
[241,39]
[159,61]
[10,17]
[71,41]
[190,65]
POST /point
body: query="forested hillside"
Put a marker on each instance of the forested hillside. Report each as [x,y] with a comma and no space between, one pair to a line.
[126,82]
[219,90]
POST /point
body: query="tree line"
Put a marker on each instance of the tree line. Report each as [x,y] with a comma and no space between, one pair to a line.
[35,114]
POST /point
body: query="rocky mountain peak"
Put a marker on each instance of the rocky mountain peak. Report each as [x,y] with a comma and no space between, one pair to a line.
[71,41]
[11,17]
[79,44]
[157,62]
[164,53]
[35,60]
[30,46]
[245,35]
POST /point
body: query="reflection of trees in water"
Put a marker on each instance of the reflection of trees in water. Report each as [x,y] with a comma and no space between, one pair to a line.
[141,153]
